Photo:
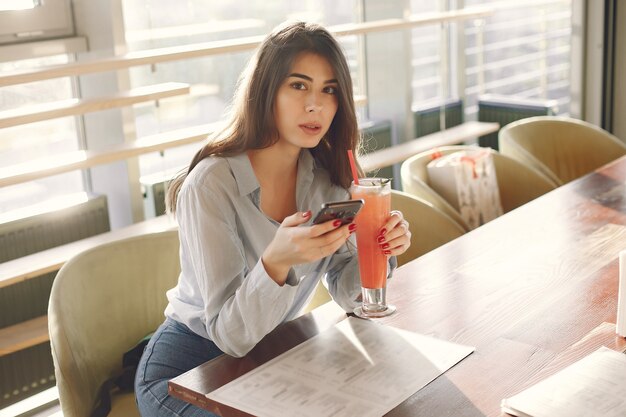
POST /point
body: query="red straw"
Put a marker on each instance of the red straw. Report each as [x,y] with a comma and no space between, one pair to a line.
[355,174]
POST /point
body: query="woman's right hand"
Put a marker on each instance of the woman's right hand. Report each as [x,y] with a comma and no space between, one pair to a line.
[294,245]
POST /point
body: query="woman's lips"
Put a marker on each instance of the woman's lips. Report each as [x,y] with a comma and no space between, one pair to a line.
[311,128]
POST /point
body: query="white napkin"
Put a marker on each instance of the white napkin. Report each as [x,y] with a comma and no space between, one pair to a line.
[620,327]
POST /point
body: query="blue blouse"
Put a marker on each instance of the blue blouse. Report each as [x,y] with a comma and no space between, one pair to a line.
[223,291]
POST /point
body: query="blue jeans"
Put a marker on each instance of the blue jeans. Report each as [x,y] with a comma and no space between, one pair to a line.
[173,350]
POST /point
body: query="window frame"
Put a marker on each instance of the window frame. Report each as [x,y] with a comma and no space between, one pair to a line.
[49,19]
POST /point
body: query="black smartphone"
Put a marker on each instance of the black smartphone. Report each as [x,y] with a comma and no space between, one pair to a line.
[342,210]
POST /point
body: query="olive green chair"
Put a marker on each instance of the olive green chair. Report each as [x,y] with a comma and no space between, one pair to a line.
[103,302]
[517,183]
[561,148]
[430,228]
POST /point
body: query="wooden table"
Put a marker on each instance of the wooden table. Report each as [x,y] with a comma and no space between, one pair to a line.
[533,291]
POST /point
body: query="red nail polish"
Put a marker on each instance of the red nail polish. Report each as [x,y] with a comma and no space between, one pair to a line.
[387,252]
[336,223]
[382,232]
[352,227]
[385,246]
[381,239]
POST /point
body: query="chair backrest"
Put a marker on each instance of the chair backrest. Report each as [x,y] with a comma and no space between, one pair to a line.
[103,302]
[430,227]
[561,148]
[517,183]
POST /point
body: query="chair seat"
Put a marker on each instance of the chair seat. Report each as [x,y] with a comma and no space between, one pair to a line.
[124,405]
[321,296]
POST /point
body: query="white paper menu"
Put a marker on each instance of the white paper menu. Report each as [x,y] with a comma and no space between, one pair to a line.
[357,367]
[593,386]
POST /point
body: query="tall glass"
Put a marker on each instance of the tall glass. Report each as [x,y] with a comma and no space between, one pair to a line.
[376,192]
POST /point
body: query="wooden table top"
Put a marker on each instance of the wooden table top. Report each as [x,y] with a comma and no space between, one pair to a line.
[533,291]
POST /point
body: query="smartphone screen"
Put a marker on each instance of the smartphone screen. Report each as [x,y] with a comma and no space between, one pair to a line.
[342,210]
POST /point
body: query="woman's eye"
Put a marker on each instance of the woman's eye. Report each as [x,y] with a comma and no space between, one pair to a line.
[298,86]
[330,90]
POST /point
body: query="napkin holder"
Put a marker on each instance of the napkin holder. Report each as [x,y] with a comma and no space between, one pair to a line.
[620,326]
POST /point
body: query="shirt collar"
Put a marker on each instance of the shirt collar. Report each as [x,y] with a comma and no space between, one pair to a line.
[248,183]
[243,173]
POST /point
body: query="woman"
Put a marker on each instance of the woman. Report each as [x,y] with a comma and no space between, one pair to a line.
[249,260]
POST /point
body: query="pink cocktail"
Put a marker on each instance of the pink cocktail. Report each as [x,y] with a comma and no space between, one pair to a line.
[376,192]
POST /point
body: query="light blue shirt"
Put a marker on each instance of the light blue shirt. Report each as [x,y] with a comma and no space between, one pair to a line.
[223,291]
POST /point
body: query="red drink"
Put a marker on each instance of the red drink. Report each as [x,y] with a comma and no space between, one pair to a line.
[369,221]
[376,192]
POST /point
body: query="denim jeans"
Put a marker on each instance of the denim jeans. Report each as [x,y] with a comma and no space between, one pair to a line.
[173,350]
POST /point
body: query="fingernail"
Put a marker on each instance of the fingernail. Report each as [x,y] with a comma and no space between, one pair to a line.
[352,227]
[382,232]
[385,246]
[381,239]
[336,223]
[387,252]
[306,213]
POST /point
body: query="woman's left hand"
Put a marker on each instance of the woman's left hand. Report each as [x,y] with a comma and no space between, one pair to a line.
[394,238]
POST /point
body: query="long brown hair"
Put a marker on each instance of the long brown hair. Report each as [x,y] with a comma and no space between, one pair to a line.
[252,124]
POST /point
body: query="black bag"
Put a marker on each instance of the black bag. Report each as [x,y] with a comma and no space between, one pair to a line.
[125,382]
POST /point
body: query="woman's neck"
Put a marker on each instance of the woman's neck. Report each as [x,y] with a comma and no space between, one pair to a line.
[276,171]
[273,164]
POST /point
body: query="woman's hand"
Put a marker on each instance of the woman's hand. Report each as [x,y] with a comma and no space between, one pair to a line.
[294,245]
[394,237]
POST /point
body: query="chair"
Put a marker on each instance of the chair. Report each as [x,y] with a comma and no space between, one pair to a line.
[430,228]
[561,148]
[517,183]
[103,302]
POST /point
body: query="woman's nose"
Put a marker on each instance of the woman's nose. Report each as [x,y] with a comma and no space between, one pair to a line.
[312,108]
[313,104]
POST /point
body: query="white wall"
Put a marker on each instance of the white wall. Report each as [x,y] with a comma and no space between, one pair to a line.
[101,22]
[593,71]
[619,103]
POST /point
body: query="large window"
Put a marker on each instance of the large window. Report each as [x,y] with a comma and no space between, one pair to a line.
[25,144]
[161,23]
[521,51]
[428,56]
[23,21]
